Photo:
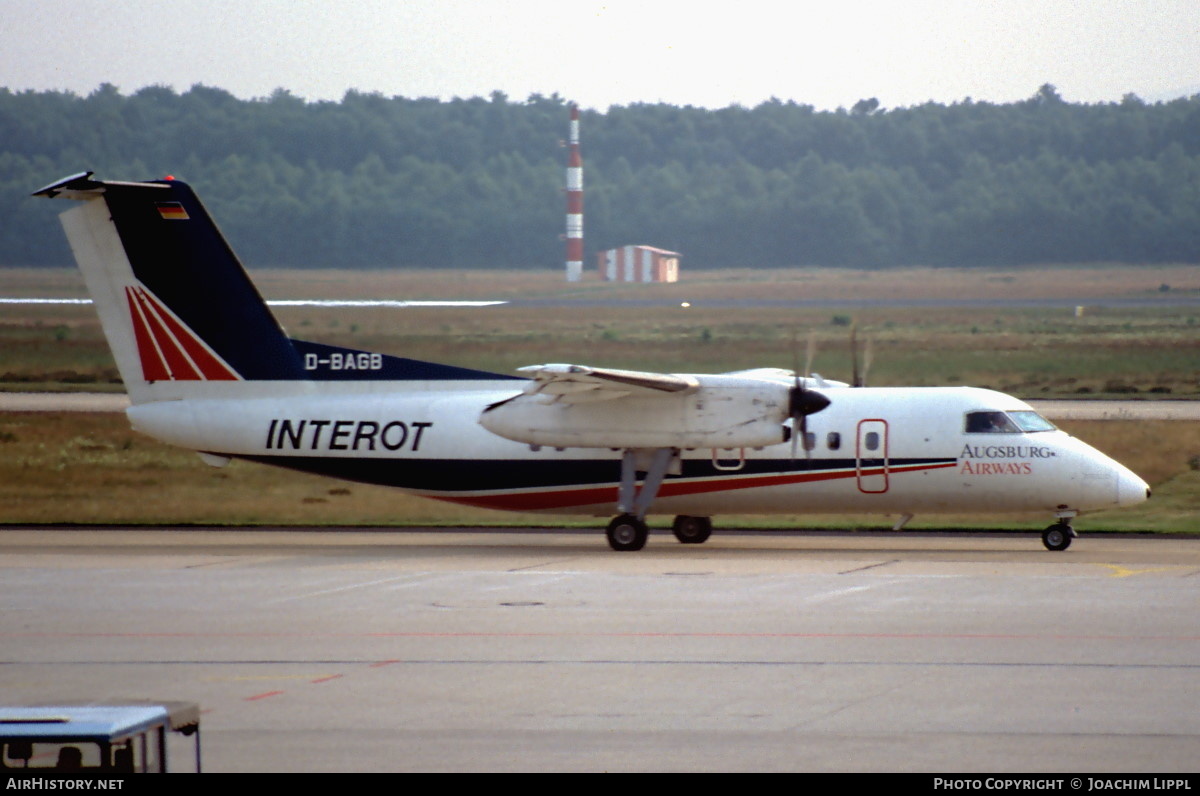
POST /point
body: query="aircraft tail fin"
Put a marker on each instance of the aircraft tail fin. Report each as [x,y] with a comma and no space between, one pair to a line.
[177,306]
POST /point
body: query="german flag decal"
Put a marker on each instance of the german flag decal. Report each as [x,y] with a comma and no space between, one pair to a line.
[171,211]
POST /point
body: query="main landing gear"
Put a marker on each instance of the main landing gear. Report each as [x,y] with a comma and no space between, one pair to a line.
[628,530]
[692,530]
[1058,536]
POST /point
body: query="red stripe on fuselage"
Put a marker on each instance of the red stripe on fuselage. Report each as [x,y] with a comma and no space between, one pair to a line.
[587,496]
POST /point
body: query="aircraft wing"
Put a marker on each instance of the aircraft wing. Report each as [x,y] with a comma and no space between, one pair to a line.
[575,406]
[581,384]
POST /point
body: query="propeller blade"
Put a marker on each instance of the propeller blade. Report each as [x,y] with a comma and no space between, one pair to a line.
[802,401]
[804,436]
[854,381]
[868,356]
[797,388]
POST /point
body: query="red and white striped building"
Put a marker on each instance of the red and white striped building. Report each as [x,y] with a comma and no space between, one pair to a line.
[639,264]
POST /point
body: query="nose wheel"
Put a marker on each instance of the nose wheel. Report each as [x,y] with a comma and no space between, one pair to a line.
[1058,536]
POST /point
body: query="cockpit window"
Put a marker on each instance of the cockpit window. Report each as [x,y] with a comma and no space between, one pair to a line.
[990,423]
[1030,422]
[1024,422]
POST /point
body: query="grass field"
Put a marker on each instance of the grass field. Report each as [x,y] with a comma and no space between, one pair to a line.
[1031,353]
[87,468]
[833,284]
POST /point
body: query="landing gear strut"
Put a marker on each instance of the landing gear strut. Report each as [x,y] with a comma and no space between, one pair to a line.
[1058,536]
[628,529]
[692,530]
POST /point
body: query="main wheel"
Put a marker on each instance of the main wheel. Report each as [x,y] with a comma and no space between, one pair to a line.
[692,530]
[1057,536]
[627,532]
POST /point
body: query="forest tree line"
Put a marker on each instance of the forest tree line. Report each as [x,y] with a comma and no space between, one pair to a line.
[374,181]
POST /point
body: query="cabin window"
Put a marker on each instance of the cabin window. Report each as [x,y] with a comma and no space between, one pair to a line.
[833,441]
[810,441]
[871,440]
[990,423]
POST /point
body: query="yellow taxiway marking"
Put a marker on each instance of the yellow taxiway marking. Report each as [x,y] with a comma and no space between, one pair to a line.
[259,677]
[1119,571]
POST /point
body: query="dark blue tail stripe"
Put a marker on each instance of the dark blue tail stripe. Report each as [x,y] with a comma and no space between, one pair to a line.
[331,363]
[188,265]
[179,254]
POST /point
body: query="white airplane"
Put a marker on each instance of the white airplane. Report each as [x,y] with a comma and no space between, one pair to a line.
[208,368]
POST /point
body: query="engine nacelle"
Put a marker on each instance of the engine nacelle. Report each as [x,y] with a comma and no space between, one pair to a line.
[722,412]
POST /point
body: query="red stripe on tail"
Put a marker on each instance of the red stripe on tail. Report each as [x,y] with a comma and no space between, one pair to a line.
[169,351]
[211,368]
[177,363]
[153,368]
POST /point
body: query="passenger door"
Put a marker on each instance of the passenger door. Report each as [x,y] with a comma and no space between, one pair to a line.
[871,456]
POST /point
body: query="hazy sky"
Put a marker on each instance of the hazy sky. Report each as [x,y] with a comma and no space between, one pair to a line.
[826,54]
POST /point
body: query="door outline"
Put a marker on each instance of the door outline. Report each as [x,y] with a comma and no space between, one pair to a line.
[872,478]
[737,464]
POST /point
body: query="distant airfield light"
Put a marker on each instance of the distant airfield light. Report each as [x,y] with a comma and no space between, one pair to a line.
[685,304]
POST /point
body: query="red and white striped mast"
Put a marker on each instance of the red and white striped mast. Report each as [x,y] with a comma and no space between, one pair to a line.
[574,201]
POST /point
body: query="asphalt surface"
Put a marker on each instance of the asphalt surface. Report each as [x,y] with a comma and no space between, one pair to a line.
[545,651]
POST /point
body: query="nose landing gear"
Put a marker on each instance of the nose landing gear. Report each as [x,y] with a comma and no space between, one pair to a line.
[1058,536]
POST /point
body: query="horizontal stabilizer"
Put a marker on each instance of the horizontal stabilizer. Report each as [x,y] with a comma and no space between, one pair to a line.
[82,186]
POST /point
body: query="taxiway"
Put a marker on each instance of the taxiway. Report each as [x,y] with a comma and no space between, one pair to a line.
[544,651]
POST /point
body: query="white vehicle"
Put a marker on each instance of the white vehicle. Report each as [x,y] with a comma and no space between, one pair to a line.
[209,368]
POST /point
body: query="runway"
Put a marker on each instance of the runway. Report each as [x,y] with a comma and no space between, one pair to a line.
[544,651]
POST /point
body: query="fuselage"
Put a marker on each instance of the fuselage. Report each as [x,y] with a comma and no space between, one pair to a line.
[888,450]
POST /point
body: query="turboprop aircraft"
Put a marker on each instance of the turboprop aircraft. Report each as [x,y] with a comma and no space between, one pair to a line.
[208,368]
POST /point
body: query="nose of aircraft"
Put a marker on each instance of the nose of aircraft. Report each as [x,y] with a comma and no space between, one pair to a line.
[1131,490]
[1103,482]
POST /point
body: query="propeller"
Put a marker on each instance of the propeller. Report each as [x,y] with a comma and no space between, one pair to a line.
[802,401]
